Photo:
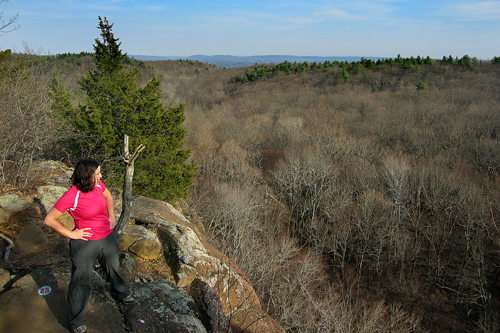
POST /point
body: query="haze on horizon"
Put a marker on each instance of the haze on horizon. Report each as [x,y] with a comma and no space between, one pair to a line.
[382,28]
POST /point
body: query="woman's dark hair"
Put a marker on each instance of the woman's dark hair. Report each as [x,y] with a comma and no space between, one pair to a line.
[83,176]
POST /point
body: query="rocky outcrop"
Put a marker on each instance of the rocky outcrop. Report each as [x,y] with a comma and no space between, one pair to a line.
[201,289]
[203,270]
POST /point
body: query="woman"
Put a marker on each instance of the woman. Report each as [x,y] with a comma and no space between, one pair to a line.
[91,205]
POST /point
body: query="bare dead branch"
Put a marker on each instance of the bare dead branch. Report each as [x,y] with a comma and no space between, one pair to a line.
[127,184]
[8,26]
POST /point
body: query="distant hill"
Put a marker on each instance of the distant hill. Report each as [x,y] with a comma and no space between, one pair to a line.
[241,61]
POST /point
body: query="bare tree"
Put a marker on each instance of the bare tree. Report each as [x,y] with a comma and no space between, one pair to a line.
[127,185]
[26,131]
[8,25]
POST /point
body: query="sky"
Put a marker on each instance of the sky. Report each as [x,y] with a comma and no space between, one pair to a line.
[368,28]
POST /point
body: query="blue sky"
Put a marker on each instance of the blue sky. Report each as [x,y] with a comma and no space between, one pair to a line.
[378,28]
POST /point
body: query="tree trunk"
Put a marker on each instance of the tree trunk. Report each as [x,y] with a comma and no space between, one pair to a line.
[127,187]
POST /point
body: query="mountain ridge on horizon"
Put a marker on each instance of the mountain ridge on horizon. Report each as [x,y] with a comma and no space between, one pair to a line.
[241,61]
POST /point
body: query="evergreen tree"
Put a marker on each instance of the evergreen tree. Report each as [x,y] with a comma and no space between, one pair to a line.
[354,67]
[406,64]
[420,86]
[466,61]
[108,56]
[116,106]
[344,77]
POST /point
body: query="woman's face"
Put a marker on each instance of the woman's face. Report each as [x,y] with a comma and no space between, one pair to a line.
[97,175]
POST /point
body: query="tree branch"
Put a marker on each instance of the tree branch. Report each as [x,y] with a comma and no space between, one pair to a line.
[5,24]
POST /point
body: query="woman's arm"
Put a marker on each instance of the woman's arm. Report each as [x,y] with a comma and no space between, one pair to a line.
[110,207]
[51,221]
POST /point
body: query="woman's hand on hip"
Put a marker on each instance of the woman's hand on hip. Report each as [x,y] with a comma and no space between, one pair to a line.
[112,223]
[81,234]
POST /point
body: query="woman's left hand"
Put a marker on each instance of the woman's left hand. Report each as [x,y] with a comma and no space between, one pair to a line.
[112,223]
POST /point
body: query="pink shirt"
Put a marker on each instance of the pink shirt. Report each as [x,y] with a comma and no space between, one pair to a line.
[91,210]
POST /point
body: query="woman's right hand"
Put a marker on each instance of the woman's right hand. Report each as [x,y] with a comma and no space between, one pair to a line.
[81,233]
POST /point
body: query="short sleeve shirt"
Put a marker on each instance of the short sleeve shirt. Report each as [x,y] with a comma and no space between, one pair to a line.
[90,212]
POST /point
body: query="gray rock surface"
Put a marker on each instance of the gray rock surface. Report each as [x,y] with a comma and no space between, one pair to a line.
[160,307]
[140,241]
[128,267]
[51,173]
[48,196]
[11,202]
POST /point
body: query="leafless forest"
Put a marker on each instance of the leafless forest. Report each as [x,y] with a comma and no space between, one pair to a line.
[367,204]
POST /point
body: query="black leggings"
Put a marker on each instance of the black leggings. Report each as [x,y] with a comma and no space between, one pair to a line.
[83,255]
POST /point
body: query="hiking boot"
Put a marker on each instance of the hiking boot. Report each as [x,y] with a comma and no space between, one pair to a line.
[81,329]
[128,299]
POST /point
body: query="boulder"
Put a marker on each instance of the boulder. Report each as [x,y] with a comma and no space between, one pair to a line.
[31,241]
[67,221]
[140,241]
[48,196]
[161,307]
[146,210]
[128,267]
[11,202]
[54,173]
